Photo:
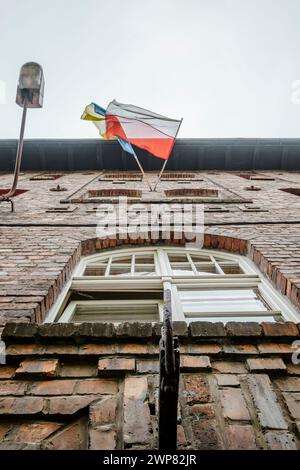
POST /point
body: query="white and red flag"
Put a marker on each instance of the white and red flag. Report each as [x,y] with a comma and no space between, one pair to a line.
[143,128]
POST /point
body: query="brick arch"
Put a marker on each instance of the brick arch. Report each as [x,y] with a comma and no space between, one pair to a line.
[214,241]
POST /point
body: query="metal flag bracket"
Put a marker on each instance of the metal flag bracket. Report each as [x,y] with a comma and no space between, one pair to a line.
[169,361]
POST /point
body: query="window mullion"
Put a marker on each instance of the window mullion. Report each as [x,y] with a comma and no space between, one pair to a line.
[108,266]
[192,264]
[217,266]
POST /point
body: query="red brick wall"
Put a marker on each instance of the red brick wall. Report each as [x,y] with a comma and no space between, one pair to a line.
[96,386]
[39,250]
[38,261]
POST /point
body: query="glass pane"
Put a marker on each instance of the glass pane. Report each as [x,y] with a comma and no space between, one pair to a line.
[221,300]
[200,258]
[177,257]
[221,259]
[121,260]
[145,270]
[206,268]
[98,263]
[231,268]
[116,312]
[120,271]
[221,294]
[144,259]
[95,270]
[181,269]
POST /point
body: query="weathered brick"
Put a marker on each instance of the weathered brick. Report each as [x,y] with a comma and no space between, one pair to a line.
[7,372]
[243,329]
[293,369]
[103,438]
[12,387]
[229,367]
[97,386]
[293,404]
[21,406]
[132,348]
[71,437]
[266,364]
[13,446]
[60,350]
[206,435]
[268,410]
[53,387]
[207,329]
[225,380]
[103,411]
[42,367]
[240,437]
[146,366]
[23,331]
[196,389]
[280,440]
[116,364]
[280,329]
[67,405]
[78,370]
[274,348]
[195,362]
[96,349]
[289,384]
[25,349]
[136,411]
[233,404]
[200,411]
[4,430]
[181,437]
[201,348]
[180,329]
[96,330]
[34,432]
[134,330]
[57,331]
[238,349]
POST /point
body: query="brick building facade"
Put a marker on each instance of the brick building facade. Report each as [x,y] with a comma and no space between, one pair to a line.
[94,385]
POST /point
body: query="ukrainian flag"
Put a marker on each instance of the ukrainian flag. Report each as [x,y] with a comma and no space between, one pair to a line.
[95,113]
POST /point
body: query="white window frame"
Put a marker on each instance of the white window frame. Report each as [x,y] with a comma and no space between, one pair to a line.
[164,278]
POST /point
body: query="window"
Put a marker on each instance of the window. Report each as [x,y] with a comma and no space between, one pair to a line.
[128,285]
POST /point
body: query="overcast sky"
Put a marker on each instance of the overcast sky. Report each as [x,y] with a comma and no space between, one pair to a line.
[228,67]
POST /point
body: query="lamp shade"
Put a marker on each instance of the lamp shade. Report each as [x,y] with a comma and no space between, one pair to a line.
[31,85]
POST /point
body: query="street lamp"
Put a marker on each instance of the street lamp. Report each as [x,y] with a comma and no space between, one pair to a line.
[30,93]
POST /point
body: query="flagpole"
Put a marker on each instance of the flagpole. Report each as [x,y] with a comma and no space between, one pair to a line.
[161,172]
[142,170]
[166,161]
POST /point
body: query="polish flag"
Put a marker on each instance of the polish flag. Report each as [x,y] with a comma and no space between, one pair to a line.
[143,128]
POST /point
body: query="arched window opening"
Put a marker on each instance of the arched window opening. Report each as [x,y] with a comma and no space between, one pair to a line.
[206,285]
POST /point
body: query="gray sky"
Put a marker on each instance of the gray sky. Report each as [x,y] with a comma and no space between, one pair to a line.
[228,67]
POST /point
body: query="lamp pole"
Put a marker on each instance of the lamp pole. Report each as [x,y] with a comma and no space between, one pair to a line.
[29,95]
